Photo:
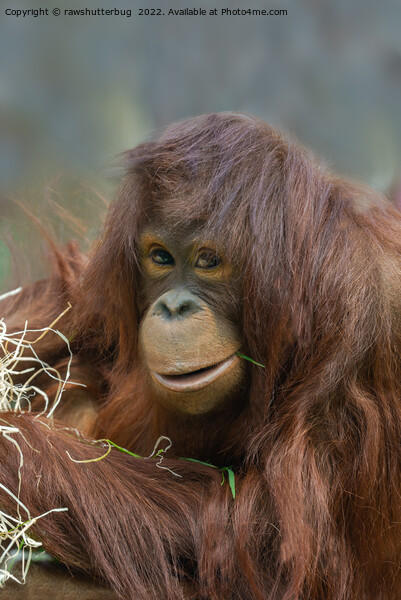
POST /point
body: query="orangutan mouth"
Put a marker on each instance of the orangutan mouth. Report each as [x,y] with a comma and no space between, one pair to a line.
[196,380]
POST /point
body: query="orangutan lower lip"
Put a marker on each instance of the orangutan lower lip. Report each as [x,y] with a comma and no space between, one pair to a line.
[195,380]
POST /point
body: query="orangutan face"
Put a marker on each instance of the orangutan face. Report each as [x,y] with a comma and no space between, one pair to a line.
[188,344]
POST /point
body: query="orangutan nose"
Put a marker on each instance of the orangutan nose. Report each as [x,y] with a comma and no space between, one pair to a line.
[176,303]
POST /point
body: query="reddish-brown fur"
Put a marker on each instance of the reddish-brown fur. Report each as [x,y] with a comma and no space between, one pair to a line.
[317,448]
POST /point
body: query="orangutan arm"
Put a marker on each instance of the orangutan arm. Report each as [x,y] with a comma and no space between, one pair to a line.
[123,513]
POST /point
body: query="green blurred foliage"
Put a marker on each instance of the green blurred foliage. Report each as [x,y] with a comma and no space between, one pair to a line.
[4,263]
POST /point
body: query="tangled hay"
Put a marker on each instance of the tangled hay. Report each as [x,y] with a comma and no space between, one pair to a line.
[18,358]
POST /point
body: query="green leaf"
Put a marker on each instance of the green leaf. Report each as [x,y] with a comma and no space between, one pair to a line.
[231,481]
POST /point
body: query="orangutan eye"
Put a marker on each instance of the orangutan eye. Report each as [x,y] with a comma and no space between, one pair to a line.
[207,259]
[161,257]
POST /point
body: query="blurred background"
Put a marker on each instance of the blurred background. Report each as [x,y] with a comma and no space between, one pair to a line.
[74,91]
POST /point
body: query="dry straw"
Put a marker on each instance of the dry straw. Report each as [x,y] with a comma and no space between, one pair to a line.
[19,358]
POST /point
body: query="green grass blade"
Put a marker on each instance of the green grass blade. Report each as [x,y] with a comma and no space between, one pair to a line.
[250,360]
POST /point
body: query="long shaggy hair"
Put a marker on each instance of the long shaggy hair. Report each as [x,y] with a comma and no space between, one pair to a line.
[316,449]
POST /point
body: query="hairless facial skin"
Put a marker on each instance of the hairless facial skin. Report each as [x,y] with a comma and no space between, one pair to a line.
[188,347]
